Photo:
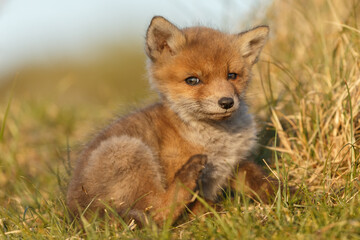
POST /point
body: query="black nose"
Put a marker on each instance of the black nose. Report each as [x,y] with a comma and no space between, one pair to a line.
[226,102]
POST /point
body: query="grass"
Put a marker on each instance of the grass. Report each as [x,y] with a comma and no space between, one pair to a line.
[305,92]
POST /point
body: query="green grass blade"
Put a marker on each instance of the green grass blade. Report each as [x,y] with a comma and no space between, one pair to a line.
[2,130]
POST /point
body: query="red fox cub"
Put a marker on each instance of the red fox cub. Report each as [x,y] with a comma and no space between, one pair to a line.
[193,139]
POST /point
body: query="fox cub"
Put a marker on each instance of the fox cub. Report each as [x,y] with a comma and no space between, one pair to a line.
[196,138]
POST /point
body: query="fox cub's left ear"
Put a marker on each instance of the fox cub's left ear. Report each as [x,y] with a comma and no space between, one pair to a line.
[163,38]
[251,43]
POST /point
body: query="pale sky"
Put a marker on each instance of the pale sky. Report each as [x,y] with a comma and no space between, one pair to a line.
[43,31]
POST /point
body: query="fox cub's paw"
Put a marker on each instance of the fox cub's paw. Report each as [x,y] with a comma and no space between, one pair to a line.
[190,172]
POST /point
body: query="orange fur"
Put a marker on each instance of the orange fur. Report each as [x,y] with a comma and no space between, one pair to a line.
[194,138]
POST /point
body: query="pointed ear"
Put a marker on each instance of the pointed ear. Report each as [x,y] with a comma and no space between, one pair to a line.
[163,38]
[251,43]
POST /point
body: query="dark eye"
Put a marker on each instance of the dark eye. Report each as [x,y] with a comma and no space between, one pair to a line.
[192,81]
[232,76]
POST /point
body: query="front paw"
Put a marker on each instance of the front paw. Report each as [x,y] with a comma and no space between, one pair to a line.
[207,173]
[208,182]
[190,172]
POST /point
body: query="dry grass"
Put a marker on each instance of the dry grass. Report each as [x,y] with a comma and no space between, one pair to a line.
[314,71]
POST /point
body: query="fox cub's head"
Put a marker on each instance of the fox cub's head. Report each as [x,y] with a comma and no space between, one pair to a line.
[200,72]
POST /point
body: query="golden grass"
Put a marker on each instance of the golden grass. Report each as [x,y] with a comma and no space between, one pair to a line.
[312,86]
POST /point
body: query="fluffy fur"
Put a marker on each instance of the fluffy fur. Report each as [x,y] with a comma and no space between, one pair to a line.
[146,163]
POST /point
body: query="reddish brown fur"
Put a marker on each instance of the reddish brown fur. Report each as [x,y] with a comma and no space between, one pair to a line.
[151,160]
[170,146]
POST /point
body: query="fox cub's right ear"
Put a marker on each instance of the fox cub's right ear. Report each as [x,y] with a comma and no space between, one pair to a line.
[251,43]
[163,38]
